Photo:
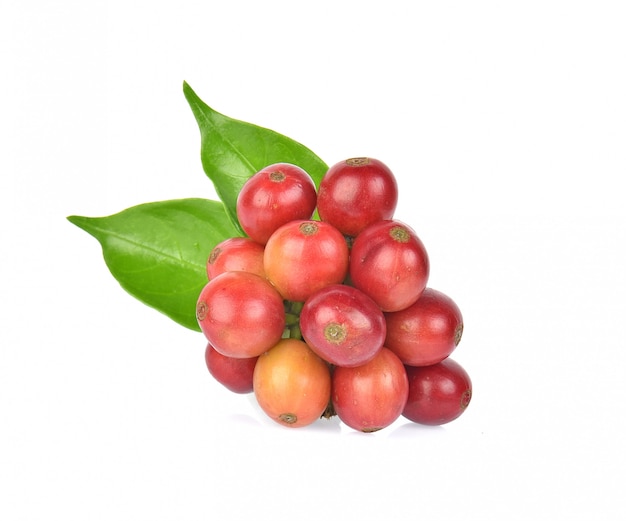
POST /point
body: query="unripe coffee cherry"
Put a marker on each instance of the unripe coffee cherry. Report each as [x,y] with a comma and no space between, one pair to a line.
[292,384]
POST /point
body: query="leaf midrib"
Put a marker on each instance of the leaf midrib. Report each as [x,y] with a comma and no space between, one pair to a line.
[105,234]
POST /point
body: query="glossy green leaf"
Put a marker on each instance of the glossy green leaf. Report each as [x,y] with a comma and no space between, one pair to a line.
[158,251]
[233,150]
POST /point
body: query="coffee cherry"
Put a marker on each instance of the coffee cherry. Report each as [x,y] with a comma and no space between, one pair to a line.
[343,325]
[233,373]
[372,396]
[236,254]
[292,384]
[438,393]
[275,195]
[426,332]
[389,263]
[241,314]
[356,193]
[304,256]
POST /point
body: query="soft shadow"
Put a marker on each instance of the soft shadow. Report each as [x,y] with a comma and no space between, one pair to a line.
[325,425]
[413,430]
[244,419]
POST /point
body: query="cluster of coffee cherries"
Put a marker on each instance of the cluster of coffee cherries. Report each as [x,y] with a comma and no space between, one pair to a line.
[323,308]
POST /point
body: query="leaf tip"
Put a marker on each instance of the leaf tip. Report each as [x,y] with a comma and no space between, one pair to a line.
[189,93]
[74,219]
[82,222]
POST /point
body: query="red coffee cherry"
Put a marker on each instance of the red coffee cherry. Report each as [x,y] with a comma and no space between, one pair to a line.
[241,314]
[438,393]
[236,254]
[233,373]
[426,332]
[389,263]
[304,256]
[356,193]
[371,396]
[343,325]
[275,195]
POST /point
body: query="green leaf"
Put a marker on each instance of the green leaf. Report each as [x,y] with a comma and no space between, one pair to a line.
[233,150]
[158,251]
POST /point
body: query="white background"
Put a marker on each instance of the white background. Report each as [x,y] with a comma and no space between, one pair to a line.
[505,123]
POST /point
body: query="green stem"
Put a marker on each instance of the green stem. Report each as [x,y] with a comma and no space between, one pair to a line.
[296,307]
[291,319]
[294,332]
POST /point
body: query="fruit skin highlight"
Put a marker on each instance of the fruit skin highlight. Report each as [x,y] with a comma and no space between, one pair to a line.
[438,393]
[356,193]
[292,384]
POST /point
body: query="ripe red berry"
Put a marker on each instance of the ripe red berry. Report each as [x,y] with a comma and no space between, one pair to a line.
[241,314]
[304,256]
[233,373]
[438,393]
[389,263]
[342,325]
[372,396]
[426,332]
[275,195]
[356,193]
[236,254]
